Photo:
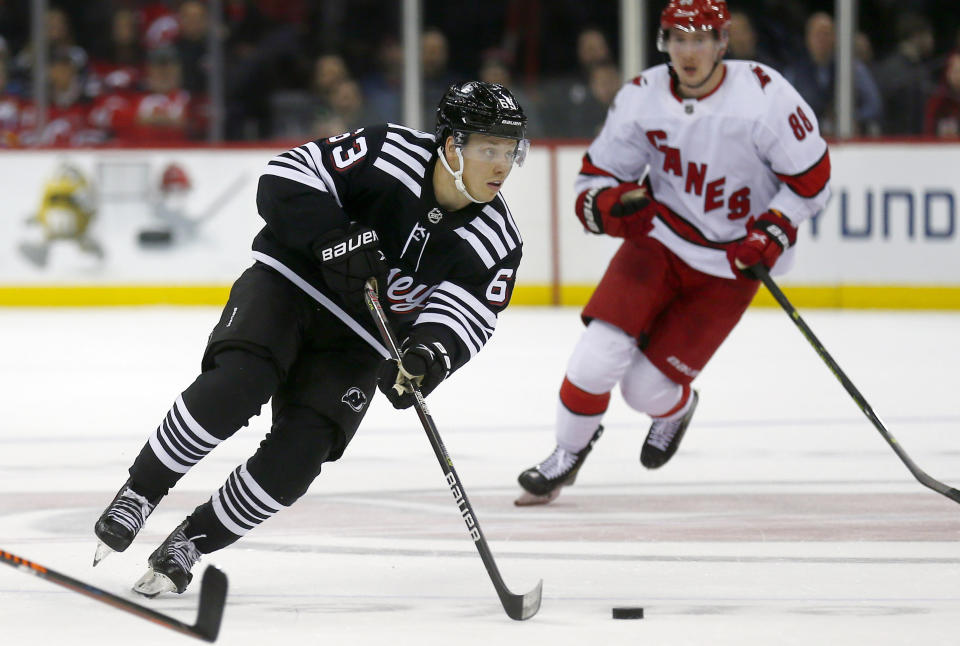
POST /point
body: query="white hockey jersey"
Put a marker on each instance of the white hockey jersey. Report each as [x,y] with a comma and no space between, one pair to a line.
[750,145]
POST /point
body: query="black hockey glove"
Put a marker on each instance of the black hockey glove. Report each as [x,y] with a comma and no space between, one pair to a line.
[422,363]
[348,259]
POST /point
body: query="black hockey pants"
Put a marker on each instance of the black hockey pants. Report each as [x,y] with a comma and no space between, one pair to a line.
[272,341]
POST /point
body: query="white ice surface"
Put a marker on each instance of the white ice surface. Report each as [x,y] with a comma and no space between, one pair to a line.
[784,519]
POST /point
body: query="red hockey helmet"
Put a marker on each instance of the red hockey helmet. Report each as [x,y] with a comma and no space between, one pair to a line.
[174,178]
[693,15]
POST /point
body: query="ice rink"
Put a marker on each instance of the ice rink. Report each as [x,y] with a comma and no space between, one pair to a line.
[784,519]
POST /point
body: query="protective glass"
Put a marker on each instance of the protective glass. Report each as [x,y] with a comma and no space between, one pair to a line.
[490,149]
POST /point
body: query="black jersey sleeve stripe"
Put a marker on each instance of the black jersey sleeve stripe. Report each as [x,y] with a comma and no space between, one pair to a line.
[444,303]
[506,216]
[302,159]
[296,176]
[403,158]
[300,165]
[402,176]
[477,314]
[466,316]
[419,134]
[438,313]
[298,156]
[293,165]
[416,149]
[477,245]
[461,333]
[471,302]
[300,153]
[484,228]
[316,155]
[509,228]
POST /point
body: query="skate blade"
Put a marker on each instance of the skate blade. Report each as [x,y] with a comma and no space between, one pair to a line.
[153,583]
[103,551]
[528,499]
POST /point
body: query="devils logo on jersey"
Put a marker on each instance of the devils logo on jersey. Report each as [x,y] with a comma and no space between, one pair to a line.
[355,399]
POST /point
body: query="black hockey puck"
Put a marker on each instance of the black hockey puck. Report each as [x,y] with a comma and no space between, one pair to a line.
[628,613]
[155,237]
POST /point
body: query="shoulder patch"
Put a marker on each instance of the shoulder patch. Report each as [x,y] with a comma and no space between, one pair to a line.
[762,77]
[639,80]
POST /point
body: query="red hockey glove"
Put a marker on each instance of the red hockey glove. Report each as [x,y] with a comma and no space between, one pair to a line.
[766,239]
[424,363]
[622,211]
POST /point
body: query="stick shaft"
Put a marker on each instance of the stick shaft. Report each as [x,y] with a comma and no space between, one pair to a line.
[95,593]
[861,401]
[517,606]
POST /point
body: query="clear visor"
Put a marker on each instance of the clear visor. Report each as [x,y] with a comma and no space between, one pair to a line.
[490,149]
[699,39]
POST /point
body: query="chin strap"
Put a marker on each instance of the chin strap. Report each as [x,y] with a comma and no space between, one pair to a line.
[457,175]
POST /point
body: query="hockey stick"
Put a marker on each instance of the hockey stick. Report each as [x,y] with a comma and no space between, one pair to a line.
[761,273]
[517,606]
[213,596]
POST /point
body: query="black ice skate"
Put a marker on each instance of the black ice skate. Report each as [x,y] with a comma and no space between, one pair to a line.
[663,440]
[120,521]
[542,482]
[170,565]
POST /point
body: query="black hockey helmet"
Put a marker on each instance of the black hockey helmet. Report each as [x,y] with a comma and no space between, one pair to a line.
[482,108]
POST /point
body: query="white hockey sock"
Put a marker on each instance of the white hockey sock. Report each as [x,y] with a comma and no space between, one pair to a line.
[598,362]
[681,411]
[647,390]
[574,431]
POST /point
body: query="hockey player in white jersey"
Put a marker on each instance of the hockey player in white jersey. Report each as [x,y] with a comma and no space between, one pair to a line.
[735,164]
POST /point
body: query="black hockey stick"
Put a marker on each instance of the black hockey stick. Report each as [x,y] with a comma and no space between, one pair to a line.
[213,596]
[761,273]
[517,606]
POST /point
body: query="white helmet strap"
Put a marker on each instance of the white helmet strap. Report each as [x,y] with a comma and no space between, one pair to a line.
[458,174]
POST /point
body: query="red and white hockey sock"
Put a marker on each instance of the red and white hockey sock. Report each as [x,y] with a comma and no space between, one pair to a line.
[647,390]
[681,407]
[578,415]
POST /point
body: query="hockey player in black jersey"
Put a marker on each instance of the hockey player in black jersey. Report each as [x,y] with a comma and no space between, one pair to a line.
[422,214]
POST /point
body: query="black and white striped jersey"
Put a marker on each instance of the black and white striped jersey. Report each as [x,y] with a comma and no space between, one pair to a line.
[451,272]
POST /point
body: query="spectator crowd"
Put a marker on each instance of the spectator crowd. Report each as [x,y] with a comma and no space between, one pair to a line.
[135,72]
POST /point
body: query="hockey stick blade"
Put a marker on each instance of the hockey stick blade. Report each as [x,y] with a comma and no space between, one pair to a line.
[761,273]
[521,607]
[213,601]
[213,597]
[517,606]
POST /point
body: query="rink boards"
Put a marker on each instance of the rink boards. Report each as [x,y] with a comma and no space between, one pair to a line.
[889,237]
